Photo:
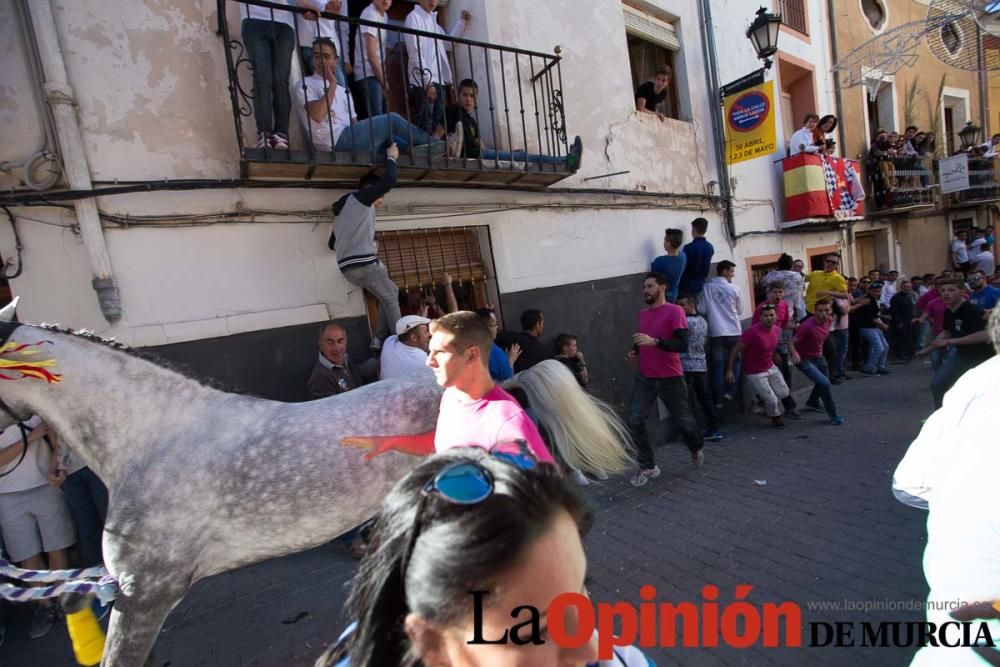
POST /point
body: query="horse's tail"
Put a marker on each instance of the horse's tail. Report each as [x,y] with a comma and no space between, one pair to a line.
[585,432]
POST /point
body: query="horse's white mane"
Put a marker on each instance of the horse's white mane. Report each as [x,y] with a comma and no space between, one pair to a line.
[86,334]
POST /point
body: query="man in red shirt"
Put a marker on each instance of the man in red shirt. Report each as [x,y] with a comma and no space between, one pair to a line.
[662,336]
[758,345]
[806,352]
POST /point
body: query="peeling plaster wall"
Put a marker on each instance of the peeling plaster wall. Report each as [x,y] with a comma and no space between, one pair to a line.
[150,81]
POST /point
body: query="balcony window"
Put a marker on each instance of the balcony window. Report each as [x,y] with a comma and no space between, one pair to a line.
[793,14]
[513,125]
[900,182]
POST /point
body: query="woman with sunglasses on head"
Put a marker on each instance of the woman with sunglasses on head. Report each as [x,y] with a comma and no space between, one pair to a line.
[470,520]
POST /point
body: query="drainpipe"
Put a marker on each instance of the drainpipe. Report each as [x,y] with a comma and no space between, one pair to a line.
[59,96]
[838,98]
[718,131]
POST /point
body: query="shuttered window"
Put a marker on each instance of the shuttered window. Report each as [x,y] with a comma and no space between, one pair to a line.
[419,257]
[650,28]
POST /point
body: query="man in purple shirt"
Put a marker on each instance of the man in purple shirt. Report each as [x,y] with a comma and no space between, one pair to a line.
[699,259]
[662,336]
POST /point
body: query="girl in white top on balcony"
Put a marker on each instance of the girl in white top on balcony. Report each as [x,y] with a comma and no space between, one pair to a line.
[803,140]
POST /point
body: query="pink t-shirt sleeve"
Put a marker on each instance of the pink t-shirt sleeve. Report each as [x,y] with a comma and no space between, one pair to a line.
[520,427]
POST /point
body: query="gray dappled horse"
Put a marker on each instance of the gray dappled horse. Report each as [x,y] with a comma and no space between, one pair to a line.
[202,481]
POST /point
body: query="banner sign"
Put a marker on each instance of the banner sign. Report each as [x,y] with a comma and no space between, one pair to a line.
[954,173]
[750,126]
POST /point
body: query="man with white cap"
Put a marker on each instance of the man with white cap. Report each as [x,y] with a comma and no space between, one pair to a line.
[406,352]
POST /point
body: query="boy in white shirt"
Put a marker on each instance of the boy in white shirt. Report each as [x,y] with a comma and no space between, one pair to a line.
[369,52]
[333,125]
[428,64]
[311,26]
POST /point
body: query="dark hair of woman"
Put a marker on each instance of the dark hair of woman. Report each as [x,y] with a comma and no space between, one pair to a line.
[458,548]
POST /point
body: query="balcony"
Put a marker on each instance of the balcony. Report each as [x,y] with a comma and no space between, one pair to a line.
[984,184]
[821,191]
[902,183]
[519,107]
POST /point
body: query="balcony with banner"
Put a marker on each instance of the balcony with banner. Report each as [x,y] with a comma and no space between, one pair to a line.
[821,190]
[969,181]
[461,112]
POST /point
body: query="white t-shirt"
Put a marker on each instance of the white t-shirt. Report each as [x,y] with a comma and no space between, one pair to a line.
[264,13]
[432,54]
[985,262]
[341,112]
[35,466]
[399,359]
[363,66]
[959,252]
[720,302]
[952,466]
[802,137]
[338,31]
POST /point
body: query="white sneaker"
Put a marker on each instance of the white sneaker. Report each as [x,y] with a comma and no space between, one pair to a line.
[644,475]
[578,477]
[263,141]
[456,141]
[601,475]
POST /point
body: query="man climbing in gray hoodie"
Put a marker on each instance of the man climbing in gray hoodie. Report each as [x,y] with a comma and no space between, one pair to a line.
[353,239]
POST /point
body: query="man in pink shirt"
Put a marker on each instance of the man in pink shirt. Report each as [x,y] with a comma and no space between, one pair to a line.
[758,345]
[806,352]
[662,336]
[783,320]
[474,412]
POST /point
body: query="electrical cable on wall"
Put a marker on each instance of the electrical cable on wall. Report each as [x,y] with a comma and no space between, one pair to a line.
[17,245]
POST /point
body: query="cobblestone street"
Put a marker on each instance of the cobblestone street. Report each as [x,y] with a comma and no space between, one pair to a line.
[824,527]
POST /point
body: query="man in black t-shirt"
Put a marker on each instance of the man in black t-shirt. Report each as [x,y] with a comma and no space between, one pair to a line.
[465,112]
[964,338]
[652,93]
[872,331]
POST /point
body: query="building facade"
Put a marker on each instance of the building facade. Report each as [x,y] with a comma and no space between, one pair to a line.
[216,255]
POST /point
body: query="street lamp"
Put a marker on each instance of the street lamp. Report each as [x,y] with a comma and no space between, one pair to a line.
[969,135]
[763,33]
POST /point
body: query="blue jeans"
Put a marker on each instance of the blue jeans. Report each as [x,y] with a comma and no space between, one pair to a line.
[521,156]
[376,134]
[721,347]
[270,45]
[878,349]
[87,498]
[370,98]
[953,366]
[307,64]
[841,338]
[819,374]
[427,115]
[674,394]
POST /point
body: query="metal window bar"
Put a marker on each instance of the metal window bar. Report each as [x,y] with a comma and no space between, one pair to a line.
[562,109]
[506,110]
[793,14]
[406,89]
[538,120]
[524,126]
[549,94]
[437,58]
[475,110]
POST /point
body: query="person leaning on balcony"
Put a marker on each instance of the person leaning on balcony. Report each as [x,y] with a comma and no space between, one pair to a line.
[802,140]
[428,64]
[369,50]
[332,123]
[269,37]
[827,124]
[651,94]
[990,147]
[466,141]
[826,284]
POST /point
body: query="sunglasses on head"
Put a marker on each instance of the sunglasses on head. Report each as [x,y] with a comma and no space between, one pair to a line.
[466,483]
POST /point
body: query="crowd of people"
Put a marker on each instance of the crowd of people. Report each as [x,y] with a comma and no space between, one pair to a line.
[343,96]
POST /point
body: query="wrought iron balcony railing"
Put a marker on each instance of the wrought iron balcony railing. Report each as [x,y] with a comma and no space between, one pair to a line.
[899,181]
[984,183]
[517,113]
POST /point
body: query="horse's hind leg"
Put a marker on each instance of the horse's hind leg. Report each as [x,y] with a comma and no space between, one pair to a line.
[135,623]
